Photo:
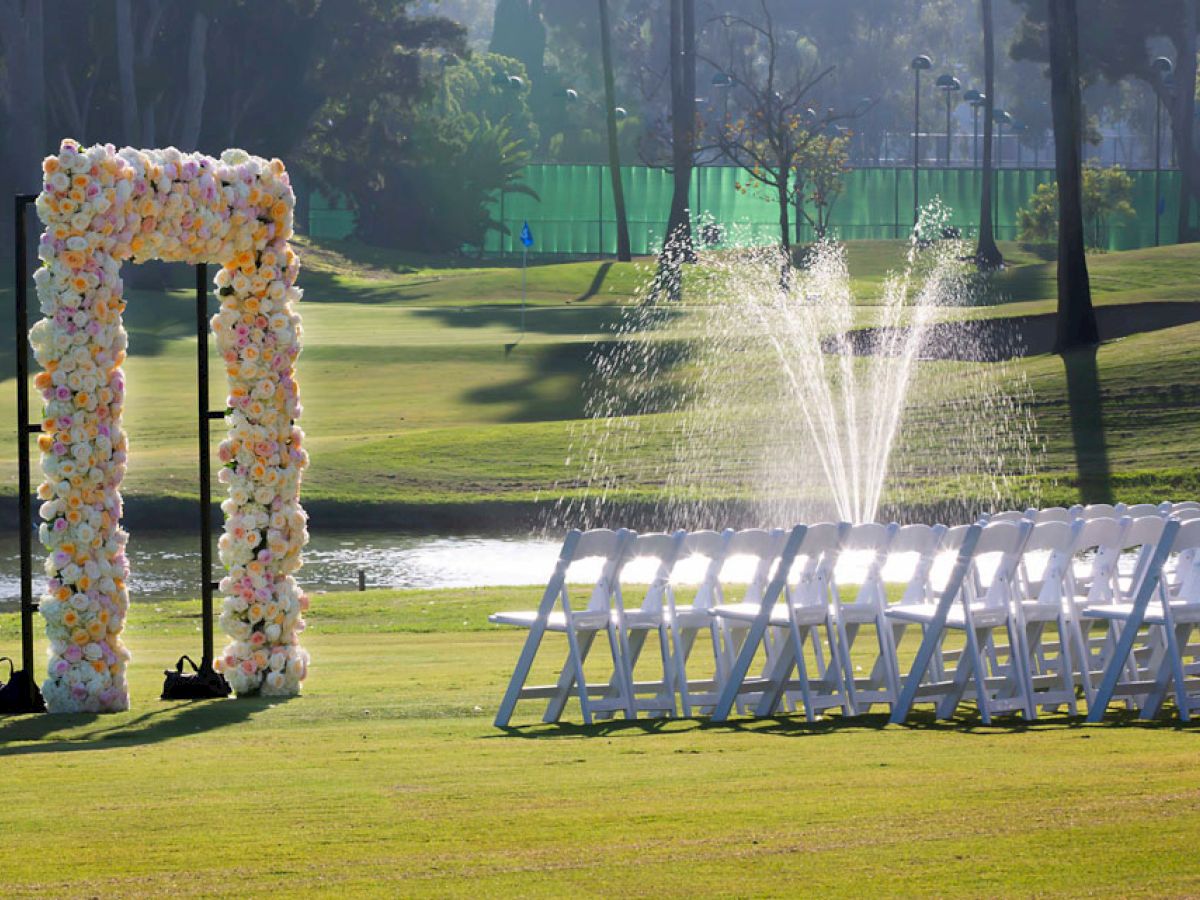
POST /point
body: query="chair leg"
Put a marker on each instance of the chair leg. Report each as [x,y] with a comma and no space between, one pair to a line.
[668,668]
[618,642]
[1021,666]
[682,641]
[1170,669]
[569,676]
[778,669]
[513,692]
[845,638]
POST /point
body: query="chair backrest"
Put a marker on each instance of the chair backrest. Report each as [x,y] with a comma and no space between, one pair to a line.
[1137,510]
[1046,560]
[1009,515]
[813,570]
[1182,505]
[861,559]
[603,544]
[1054,514]
[711,547]
[910,560]
[1185,514]
[1186,549]
[998,552]
[664,550]
[759,550]
[1103,538]
[1102,511]
[1141,535]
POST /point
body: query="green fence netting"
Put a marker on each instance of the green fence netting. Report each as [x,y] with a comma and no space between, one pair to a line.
[573,212]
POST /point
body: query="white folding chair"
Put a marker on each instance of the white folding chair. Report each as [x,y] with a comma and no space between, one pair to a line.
[635,625]
[1091,581]
[1042,599]
[580,626]
[1179,506]
[755,551]
[1139,538]
[806,611]
[733,680]
[930,608]
[686,622]
[1173,614]
[986,603]
[870,544]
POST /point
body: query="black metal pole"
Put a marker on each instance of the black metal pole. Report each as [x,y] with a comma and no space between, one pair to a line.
[206,588]
[947,128]
[24,430]
[916,142]
[975,139]
[1157,163]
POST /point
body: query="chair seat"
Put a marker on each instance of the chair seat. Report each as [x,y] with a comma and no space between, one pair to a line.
[1181,611]
[858,613]
[586,620]
[1040,612]
[923,613]
[693,616]
[747,612]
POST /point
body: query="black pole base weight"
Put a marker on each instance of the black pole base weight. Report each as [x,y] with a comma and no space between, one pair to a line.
[21,695]
[203,683]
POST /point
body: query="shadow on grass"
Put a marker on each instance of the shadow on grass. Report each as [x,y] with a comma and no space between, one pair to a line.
[168,721]
[967,722]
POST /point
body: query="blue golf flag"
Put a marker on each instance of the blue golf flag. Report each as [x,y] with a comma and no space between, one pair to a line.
[526,235]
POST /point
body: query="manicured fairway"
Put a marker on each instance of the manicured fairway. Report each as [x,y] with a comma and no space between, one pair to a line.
[387,779]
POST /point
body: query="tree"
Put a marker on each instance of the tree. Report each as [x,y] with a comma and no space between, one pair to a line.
[771,90]
[987,254]
[614,157]
[1076,318]
[1107,193]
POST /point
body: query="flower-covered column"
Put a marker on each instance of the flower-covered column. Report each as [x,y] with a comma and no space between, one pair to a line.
[258,334]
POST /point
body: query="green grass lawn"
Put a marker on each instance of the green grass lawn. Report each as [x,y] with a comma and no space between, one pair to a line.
[386,778]
[420,392]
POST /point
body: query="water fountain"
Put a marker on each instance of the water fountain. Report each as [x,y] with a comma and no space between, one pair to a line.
[774,395]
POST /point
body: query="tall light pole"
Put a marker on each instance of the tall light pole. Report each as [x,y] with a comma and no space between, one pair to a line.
[919,64]
[722,82]
[1163,67]
[976,99]
[949,85]
[1000,117]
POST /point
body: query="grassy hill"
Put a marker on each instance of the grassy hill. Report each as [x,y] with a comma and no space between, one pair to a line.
[386,778]
[423,399]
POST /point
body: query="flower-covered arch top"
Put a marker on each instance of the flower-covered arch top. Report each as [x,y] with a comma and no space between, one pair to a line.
[100,207]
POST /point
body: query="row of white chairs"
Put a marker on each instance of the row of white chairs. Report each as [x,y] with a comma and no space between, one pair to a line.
[1120,597]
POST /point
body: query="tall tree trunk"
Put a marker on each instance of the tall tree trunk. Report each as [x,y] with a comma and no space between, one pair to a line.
[987,254]
[1183,112]
[614,156]
[1076,318]
[125,71]
[683,125]
[784,237]
[197,84]
[22,41]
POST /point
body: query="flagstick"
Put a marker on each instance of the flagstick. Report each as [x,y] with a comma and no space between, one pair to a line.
[524,258]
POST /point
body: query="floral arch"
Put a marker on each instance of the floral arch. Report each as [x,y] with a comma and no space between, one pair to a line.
[101,207]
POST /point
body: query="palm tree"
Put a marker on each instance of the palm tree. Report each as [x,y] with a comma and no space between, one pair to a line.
[1076,318]
[614,156]
[987,254]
